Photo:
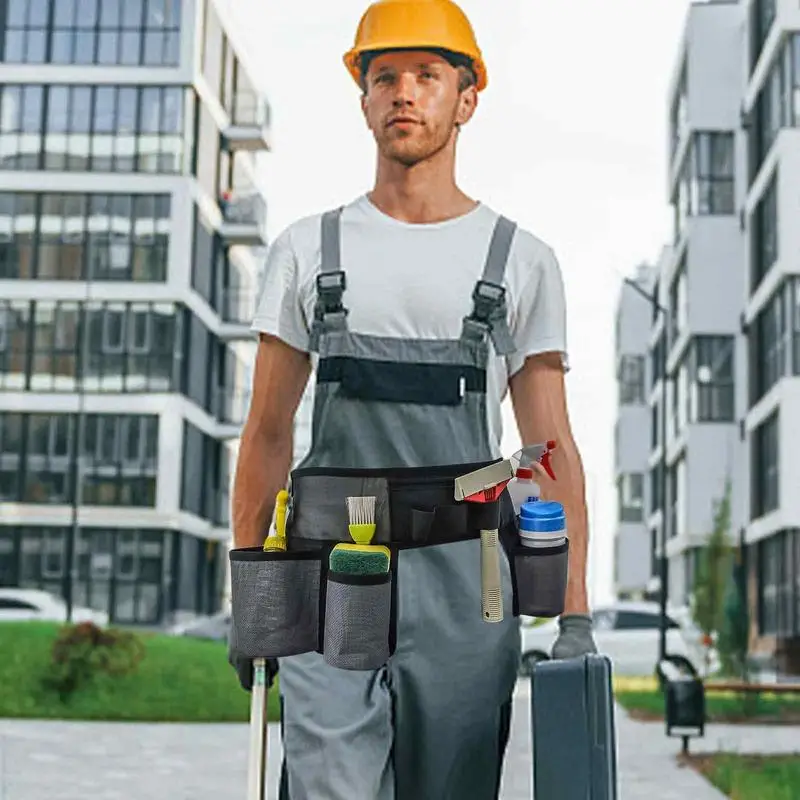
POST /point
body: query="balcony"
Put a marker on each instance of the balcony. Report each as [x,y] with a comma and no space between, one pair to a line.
[244,217]
[249,126]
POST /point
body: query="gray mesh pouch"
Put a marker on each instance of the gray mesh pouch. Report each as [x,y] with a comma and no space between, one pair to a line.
[358,611]
[274,602]
[540,578]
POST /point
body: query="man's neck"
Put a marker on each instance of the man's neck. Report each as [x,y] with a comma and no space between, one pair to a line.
[420,194]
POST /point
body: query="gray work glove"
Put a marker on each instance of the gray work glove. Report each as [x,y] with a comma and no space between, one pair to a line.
[575,637]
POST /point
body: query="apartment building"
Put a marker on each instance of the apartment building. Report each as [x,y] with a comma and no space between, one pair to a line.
[771,321]
[633,549]
[697,328]
[131,224]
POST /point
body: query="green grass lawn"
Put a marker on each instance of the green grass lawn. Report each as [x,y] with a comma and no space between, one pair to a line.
[642,698]
[752,777]
[178,680]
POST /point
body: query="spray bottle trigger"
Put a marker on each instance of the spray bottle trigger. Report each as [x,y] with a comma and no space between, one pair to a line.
[545,462]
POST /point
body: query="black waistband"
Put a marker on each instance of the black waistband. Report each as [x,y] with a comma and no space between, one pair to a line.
[414,507]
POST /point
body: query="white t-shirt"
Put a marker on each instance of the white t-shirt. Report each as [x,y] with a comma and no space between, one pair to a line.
[415,281]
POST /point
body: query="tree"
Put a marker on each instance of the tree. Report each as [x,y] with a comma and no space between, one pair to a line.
[734,633]
[713,571]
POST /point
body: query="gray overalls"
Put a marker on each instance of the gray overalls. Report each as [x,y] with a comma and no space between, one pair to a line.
[432,723]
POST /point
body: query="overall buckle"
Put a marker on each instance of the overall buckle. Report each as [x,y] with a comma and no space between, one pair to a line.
[330,288]
[488,297]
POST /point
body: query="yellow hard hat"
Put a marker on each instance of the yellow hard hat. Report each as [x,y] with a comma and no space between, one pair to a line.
[416,24]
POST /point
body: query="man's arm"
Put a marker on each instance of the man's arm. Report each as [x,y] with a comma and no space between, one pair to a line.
[538,396]
[265,450]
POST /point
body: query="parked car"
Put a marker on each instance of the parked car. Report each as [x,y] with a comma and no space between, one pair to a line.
[23,605]
[214,627]
[628,633]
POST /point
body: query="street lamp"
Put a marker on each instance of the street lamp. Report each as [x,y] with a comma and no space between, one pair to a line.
[662,372]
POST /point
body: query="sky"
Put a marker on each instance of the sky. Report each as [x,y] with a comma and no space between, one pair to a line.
[569,140]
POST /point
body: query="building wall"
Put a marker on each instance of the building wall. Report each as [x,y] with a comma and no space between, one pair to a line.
[113,323]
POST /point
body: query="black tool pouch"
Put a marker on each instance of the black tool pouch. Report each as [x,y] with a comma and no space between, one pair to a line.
[539,577]
[274,602]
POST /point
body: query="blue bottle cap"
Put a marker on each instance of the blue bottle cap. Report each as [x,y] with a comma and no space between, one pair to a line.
[542,516]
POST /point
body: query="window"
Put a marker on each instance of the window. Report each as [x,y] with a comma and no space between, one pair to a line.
[706,179]
[117,466]
[93,128]
[762,15]
[21,109]
[133,347]
[681,409]
[679,114]
[657,360]
[778,580]
[630,497]
[676,479]
[11,436]
[768,342]
[55,347]
[777,105]
[49,439]
[765,470]
[69,236]
[52,346]
[205,483]
[655,423]
[764,239]
[120,460]
[656,489]
[108,32]
[26,31]
[631,380]
[793,291]
[712,396]
[14,333]
[678,304]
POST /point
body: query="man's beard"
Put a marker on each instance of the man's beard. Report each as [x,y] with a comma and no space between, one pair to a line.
[421,145]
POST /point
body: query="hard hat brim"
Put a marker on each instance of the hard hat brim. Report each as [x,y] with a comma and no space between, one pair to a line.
[352,59]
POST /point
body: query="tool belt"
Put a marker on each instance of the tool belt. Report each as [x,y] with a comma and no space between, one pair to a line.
[289,602]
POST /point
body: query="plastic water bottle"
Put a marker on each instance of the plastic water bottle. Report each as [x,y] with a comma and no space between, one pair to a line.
[523,488]
[542,524]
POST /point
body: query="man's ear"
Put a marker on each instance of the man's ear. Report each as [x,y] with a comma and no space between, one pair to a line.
[364,103]
[467,104]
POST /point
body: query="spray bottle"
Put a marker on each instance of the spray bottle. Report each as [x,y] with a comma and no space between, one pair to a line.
[523,488]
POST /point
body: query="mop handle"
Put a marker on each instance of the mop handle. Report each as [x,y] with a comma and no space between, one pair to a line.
[257,763]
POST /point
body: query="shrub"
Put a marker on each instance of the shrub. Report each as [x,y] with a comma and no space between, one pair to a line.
[83,651]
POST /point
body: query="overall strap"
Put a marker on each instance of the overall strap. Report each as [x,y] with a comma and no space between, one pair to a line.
[329,313]
[489,310]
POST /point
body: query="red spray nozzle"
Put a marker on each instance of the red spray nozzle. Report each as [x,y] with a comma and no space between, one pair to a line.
[544,459]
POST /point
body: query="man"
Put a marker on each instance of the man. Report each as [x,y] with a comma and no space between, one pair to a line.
[433,723]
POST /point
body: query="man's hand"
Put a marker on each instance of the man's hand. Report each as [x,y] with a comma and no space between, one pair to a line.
[575,637]
[243,667]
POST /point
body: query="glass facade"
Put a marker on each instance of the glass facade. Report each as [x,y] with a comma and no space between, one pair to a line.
[107,32]
[777,105]
[135,575]
[117,464]
[71,236]
[83,128]
[707,177]
[119,347]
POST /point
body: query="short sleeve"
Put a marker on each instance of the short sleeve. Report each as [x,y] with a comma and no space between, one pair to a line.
[539,324]
[279,311]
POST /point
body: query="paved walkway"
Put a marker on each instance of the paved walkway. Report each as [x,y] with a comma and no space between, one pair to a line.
[122,761]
